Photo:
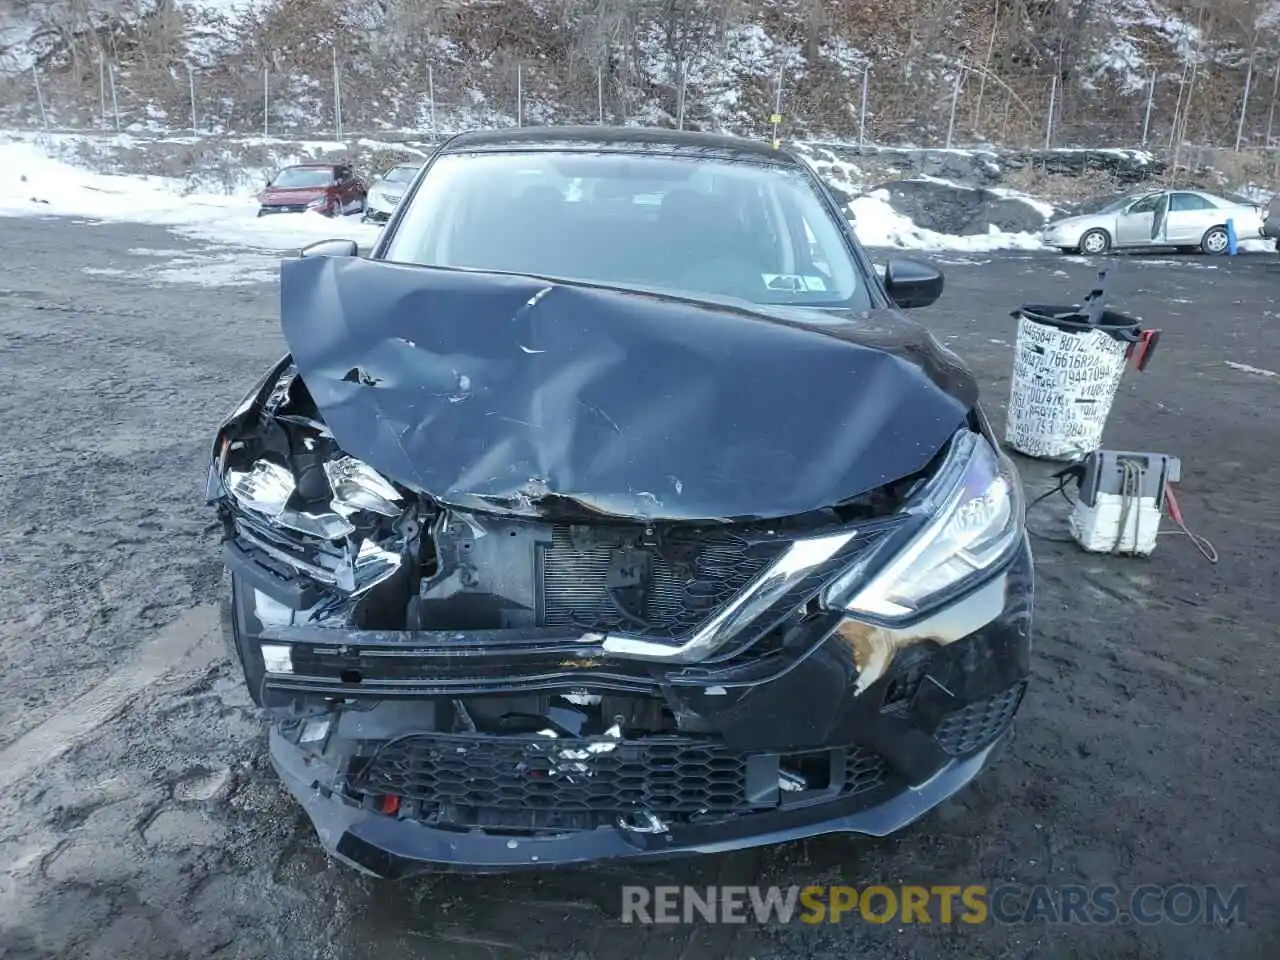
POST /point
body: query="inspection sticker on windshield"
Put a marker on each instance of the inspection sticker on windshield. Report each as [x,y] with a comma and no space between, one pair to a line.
[793,282]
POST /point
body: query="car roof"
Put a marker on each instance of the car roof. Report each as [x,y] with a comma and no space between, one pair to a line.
[315,165]
[638,140]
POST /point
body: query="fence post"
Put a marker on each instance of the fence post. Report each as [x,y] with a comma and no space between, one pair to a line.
[1053,102]
[862,113]
[1146,120]
[1244,103]
[431,97]
[1275,91]
[955,102]
[337,96]
[266,100]
[777,107]
[115,101]
[684,77]
[195,124]
[44,114]
[519,95]
[600,93]
[102,87]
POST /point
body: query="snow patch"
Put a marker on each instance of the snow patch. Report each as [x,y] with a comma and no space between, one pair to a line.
[33,184]
[877,224]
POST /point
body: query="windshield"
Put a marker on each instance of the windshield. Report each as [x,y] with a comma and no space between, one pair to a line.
[1107,204]
[749,231]
[403,174]
[303,177]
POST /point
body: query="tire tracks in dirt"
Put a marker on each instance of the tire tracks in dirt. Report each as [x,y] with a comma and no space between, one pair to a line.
[191,642]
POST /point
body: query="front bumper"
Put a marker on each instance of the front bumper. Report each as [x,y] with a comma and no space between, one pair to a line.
[378,211]
[268,209]
[392,848]
[891,751]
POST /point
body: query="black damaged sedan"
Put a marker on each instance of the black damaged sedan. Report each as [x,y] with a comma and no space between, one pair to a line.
[608,509]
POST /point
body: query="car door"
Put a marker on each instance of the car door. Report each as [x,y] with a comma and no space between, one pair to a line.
[1134,224]
[1190,215]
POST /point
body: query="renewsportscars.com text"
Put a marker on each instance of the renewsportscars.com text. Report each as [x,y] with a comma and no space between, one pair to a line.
[973,904]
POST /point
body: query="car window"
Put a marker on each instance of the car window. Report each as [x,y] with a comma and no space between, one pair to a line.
[295,177]
[1146,204]
[1190,201]
[751,231]
[403,174]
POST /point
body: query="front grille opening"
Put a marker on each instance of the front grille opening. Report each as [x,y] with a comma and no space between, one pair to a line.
[662,592]
[975,726]
[908,673]
[543,783]
[521,784]
[806,771]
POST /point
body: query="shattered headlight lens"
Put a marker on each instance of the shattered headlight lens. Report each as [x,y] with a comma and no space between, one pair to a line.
[357,486]
[975,520]
[267,487]
[264,488]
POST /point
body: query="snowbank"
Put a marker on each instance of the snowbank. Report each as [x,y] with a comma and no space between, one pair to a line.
[32,184]
[879,225]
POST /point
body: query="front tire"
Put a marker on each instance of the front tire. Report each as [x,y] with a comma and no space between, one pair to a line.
[1214,242]
[1095,242]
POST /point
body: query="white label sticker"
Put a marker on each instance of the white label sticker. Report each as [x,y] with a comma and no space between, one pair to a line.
[794,282]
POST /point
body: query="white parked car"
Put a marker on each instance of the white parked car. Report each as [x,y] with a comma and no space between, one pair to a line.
[386,191]
[1187,219]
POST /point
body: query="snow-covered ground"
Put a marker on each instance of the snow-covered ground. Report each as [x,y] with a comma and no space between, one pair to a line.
[33,184]
[879,225]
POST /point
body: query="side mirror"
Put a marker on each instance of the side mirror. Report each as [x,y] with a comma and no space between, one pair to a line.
[331,248]
[910,283]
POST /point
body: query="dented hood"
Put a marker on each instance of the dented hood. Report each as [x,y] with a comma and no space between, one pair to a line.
[504,392]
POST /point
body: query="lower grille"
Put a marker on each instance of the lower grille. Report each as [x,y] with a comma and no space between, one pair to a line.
[529,783]
[668,776]
[976,725]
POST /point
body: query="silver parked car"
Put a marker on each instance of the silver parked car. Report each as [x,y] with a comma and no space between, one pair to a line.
[1186,219]
[386,191]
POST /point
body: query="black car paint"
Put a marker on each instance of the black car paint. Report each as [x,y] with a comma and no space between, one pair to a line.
[489,391]
[792,695]
[902,718]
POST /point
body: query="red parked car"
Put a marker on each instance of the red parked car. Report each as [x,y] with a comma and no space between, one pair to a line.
[329,188]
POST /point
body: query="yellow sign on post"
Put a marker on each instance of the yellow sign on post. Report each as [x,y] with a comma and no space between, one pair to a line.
[776,118]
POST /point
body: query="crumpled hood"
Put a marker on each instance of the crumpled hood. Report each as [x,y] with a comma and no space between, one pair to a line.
[504,392]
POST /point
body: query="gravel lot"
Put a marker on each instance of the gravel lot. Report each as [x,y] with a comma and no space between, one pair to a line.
[138,816]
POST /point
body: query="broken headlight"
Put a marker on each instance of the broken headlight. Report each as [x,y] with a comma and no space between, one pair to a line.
[266,488]
[974,521]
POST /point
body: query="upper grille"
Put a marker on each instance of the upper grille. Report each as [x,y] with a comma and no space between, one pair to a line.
[662,591]
[979,723]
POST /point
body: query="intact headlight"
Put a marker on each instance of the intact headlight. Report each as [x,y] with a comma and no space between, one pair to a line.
[974,507]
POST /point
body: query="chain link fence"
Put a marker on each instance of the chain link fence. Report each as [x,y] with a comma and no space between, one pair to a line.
[971,107]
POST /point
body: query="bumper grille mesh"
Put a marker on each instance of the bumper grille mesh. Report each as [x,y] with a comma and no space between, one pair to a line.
[668,776]
[976,725]
[538,782]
